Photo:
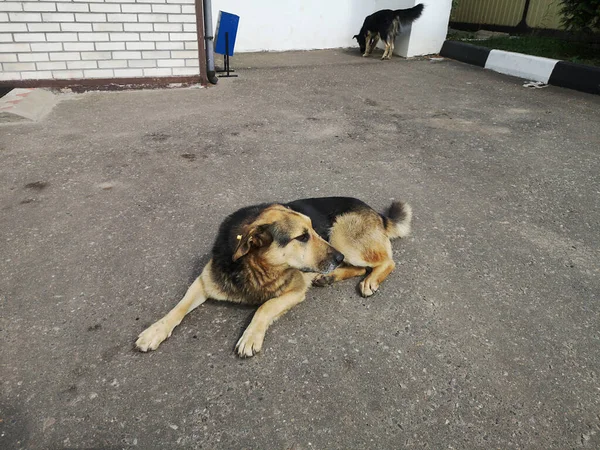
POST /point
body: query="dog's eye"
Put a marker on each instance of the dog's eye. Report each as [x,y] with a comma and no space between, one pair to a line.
[303,237]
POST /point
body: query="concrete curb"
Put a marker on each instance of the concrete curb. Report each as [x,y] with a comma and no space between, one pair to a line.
[26,104]
[579,77]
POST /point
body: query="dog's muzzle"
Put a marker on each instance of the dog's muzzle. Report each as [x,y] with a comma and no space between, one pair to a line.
[337,258]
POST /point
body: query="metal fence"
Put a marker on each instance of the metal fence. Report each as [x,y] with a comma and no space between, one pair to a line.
[509,13]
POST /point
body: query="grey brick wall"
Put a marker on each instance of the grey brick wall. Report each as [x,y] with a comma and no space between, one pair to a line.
[62,39]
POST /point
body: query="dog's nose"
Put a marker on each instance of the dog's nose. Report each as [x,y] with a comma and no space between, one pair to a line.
[338,257]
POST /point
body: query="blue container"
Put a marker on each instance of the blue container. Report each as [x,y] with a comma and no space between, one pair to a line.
[227,23]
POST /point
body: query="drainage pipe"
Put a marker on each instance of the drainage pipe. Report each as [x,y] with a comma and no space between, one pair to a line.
[209,41]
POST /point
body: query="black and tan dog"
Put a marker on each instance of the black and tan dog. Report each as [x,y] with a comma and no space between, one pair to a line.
[386,25]
[269,255]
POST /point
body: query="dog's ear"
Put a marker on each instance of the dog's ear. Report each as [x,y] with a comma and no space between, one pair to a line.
[252,238]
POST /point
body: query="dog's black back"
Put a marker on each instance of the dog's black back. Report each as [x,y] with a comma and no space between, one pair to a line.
[323,211]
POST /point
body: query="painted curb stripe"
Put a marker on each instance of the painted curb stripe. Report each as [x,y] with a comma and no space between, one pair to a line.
[565,74]
[468,53]
[576,76]
[520,65]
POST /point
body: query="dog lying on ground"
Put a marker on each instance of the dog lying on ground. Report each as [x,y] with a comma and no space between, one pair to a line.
[270,254]
[386,25]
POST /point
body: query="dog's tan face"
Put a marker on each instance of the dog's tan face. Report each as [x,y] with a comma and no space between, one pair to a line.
[283,238]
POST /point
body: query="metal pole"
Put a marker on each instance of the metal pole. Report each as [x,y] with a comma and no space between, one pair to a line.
[209,38]
[227,52]
[522,25]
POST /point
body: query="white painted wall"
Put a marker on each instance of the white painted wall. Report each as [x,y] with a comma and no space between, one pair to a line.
[276,25]
[428,32]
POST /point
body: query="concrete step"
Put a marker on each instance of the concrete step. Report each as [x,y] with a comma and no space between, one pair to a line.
[26,105]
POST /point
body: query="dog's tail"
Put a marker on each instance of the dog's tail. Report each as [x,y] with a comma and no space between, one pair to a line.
[411,14]
[397,220]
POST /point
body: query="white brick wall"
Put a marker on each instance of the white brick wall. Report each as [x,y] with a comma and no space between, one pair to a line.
[63,39]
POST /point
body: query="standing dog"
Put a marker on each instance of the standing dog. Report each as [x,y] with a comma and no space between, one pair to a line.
[385,24]
[269,255]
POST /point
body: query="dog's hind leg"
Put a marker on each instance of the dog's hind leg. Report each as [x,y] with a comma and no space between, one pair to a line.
[391,38]
[363,240]
[201,289]
[389,48]
[341,273]
[371,283]
[385,52]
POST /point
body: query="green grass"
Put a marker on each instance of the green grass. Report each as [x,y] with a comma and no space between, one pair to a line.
[577,52]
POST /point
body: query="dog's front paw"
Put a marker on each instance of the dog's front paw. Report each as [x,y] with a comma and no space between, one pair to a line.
[323,280]
[368,287]
[250,343]
[151,337]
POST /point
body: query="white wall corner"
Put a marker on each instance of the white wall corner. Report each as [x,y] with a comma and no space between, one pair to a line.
[428,33]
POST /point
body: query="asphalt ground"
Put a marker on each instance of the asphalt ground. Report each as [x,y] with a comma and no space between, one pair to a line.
[485,336]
